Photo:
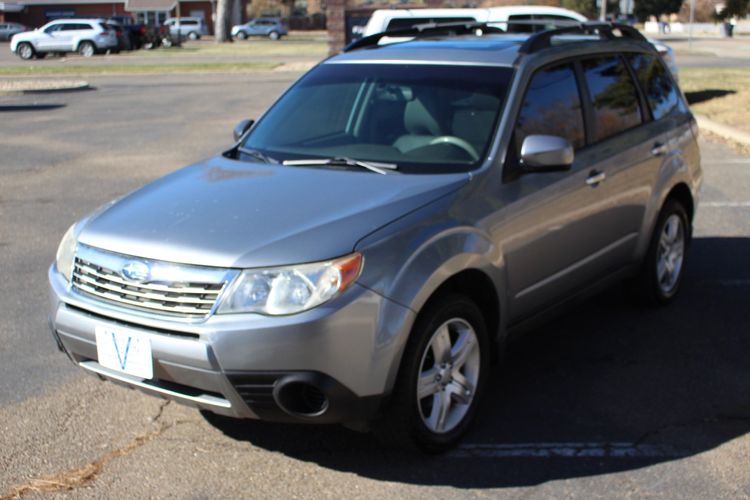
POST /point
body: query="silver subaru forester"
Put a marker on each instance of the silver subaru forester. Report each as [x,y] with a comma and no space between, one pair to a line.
[364,251]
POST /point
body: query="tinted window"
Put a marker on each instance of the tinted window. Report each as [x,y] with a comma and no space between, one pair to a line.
[656,82]
[410,22]
[53,28]
[614,96]
[552,106]
[523,26]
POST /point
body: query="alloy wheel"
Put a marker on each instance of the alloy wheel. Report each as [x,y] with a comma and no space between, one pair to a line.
[670,253]
[448,377]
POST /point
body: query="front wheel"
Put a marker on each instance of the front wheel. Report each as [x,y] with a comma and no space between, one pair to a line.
[662,270]
[443,373]
[25,51]
[86,49]
[241,35]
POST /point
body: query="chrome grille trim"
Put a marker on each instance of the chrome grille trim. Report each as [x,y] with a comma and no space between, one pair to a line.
[170,290]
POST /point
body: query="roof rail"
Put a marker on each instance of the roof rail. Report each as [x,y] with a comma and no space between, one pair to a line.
[452,28]
[542,40]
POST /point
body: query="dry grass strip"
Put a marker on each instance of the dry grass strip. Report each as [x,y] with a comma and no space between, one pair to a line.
[75,478]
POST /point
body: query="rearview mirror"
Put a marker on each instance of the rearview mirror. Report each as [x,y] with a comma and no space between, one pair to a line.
[546,153]
[241,128]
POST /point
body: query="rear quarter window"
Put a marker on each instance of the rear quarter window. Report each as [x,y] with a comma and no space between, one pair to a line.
[613,96]
[661,92]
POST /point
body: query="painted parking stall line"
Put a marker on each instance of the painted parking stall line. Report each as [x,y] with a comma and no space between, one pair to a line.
[567,450]
[725,204]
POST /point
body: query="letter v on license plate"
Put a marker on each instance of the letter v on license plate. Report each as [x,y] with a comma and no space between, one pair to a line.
[125,351]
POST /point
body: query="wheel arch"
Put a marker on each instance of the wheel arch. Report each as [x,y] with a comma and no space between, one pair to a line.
[681,192]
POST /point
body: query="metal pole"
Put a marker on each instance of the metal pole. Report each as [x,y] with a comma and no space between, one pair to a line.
[603,11]
[690,26]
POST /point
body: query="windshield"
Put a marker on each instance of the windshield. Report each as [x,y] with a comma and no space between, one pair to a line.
[422,118]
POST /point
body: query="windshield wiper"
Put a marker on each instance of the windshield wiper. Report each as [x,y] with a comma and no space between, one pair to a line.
[373,166]
[258,155]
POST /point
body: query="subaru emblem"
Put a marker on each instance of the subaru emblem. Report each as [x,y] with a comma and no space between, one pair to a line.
[135,271]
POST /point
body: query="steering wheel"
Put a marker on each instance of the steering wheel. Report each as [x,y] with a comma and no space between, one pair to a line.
[458,142]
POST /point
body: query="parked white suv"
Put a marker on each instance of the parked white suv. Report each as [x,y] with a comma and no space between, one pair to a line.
[85,36]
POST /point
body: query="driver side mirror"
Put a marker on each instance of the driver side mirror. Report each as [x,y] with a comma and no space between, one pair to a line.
[241,128]
[546,153]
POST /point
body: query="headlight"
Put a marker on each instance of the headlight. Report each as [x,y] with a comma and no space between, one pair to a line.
[293,289]
[66,253]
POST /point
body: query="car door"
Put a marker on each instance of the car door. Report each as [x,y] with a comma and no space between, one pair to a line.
[50,37]
[70,33]
[624,154]
[556,233]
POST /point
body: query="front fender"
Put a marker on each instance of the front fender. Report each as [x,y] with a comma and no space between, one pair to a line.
[408,260]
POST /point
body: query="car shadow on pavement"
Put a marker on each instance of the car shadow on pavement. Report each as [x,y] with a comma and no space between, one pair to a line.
[706,95]
[607,372]
[29,107]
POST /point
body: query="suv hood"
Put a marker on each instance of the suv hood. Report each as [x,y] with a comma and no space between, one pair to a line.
[226,213]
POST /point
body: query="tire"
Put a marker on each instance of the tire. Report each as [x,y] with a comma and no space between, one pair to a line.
[662,270]
[86,49]
[166,43]
[193,35]
[241,35]
[25,51]
[274,35]
[457,382]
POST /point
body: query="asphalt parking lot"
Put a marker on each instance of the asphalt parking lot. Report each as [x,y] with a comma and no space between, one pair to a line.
[608,400]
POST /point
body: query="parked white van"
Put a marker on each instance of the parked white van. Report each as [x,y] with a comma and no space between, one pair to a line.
[394,19]
[500,17]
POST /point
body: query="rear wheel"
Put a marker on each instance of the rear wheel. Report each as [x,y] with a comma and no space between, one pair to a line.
[662,270]
[274,35]
[25,51]
[193,35]
[86,49]
[443,373]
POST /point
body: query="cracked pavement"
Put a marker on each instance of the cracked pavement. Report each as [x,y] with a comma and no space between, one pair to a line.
[604,373]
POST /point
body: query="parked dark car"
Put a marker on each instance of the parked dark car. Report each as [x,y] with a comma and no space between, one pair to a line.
[133,31]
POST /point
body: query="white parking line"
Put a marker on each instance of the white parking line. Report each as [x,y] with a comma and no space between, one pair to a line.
[723,204]
[727,283]
[566,450]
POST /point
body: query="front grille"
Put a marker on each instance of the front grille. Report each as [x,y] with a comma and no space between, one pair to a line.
[181,297]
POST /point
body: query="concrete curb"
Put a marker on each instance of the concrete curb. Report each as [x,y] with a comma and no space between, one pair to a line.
[722,130]
[41,87]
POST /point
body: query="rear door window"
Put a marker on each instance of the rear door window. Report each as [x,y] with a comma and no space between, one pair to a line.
[613,96]
[552,106]
[661,92]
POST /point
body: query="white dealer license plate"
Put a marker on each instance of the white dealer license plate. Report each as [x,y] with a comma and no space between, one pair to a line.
[125,351]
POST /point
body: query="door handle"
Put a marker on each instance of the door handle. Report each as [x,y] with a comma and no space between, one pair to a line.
[595,178]
[659,149]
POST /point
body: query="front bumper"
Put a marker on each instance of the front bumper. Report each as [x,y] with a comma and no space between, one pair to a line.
[342,356]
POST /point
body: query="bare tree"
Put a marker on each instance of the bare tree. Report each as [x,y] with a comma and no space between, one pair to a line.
[221,28]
